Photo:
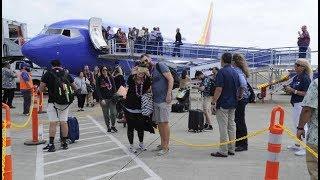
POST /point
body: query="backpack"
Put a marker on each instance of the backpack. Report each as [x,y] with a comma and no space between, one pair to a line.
[62,91]
[176,79]
[252,96]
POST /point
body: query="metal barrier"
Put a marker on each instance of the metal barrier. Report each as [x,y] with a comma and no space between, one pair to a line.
[6,145]
[256,57]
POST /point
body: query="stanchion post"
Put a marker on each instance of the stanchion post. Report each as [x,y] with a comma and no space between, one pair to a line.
[274,144]
[35,124]
[7,174]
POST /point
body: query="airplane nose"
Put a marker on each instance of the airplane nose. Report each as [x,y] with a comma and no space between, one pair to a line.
[39,48]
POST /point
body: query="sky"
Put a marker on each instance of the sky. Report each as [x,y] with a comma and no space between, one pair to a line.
[247,23]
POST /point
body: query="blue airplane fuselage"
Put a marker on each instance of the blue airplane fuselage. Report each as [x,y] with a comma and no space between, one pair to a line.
[74,52]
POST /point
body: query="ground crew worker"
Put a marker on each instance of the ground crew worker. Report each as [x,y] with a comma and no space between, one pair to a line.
[26,86]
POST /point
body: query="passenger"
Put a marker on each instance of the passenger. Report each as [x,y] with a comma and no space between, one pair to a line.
[146,39]
[214,76]
[303,41]
[185,85]
[8,84]
[226,95]
[106,90]
[162,85]
[91,86]
[132,36]
[123,41]
[56,112]
[240,65]
[139,45]
[159,42]
[119,81]
[177,44]
[207,87]
[298,88]
[139,83]
[309,115]
[81,84]
[96,74]
[26,87]
[152,43]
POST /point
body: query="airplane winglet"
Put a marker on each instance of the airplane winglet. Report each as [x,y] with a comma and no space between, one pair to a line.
[206,33]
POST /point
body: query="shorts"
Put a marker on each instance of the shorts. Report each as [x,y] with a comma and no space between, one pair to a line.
[161,112]
[57,115]
[206,103]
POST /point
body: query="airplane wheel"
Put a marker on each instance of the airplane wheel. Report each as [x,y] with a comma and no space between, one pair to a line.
[259,96]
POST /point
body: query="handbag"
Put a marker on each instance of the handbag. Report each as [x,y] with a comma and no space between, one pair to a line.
[146,104]
[89,88]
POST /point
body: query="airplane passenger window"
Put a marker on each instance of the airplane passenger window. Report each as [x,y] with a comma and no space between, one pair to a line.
[66,32]
[53,31]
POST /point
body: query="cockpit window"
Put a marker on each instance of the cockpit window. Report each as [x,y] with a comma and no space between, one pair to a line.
[66,32]
[53,31]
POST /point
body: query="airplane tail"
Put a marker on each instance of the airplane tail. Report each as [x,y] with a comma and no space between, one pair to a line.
[206,33]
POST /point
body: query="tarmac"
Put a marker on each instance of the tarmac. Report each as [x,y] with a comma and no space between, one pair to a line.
[101,155]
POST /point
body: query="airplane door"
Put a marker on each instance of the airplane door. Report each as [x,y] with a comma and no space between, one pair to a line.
[95,32]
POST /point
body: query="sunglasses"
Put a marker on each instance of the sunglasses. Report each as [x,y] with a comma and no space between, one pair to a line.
[298,65]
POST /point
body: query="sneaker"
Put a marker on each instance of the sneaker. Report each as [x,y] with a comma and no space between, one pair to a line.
[64,146]
[158,148]
[79,110]
[92,105]
[294,147]
[301,152]
[109,130]
[241,148]
[162,152]
[132,150]
[114,129]
[87,105]
[205,126]
[26,114]
[217,154]
[51,148]
[142,147]
[46,147]
[209,127]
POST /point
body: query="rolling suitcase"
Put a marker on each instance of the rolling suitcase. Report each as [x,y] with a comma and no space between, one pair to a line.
[73,129]
[196,120]
[177,107]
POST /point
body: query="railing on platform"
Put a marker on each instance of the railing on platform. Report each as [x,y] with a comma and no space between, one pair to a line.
[256,57]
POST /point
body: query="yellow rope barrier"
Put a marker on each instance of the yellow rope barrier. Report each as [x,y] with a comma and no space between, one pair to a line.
[252,134]
[29,118]
[294,137]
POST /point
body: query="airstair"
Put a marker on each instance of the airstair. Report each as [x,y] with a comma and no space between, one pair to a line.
[268,64]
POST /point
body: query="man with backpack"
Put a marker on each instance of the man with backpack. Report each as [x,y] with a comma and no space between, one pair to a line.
[207,87]
[61,89]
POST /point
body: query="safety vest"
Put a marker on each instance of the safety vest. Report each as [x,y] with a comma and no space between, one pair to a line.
[23,84]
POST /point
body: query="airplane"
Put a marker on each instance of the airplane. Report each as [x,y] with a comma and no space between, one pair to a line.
[76,43]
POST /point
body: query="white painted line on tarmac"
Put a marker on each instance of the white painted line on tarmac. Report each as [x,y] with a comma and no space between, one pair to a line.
[39,164]
[90,138]
[89,132]
[112,173]
[84,155]
[134,157]
[85,166]
[80,129]
[70,149]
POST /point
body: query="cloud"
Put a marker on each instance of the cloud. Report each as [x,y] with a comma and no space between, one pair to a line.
[259,23]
